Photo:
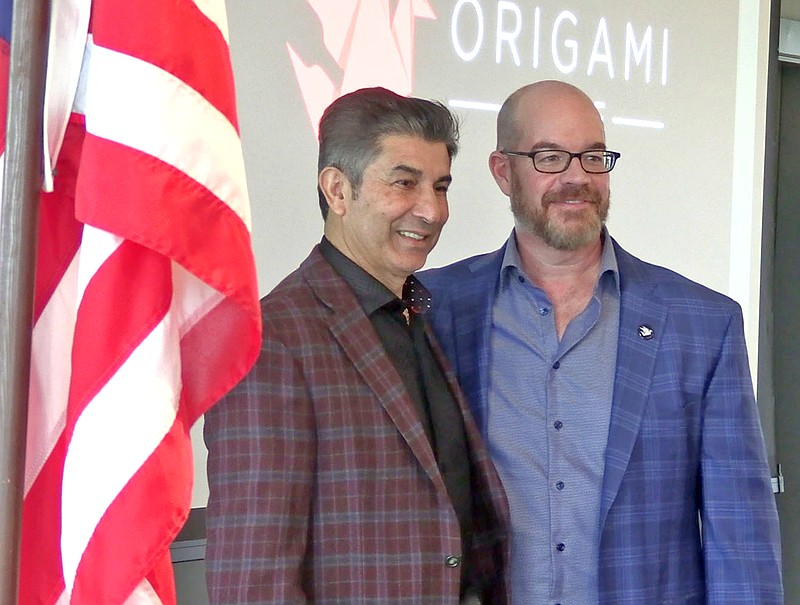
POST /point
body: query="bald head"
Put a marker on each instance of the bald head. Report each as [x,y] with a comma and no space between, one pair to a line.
[566,209]
[536,102]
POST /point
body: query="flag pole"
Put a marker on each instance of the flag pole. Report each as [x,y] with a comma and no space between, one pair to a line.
[18,229]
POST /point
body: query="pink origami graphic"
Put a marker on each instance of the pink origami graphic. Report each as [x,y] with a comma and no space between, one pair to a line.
[372,46]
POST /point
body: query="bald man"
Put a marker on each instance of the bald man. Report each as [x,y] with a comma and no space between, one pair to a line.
[614,395]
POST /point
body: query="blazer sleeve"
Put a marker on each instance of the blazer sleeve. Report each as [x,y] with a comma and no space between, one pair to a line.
[741,540]
[261,444]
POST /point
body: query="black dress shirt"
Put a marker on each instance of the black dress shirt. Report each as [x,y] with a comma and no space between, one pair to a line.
[403,335]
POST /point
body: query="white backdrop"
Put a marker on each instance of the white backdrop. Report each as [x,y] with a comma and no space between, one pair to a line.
[680,85]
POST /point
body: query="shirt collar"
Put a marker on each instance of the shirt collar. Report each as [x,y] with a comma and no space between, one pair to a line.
[371,293]
[512,263]
[608,262]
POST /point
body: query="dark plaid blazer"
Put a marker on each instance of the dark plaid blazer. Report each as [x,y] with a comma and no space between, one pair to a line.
[323,486]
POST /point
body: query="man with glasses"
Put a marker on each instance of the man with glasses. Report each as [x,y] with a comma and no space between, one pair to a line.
[614,395]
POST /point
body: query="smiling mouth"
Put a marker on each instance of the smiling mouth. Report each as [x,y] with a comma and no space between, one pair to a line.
[412,235]
[573,196]
[574,203]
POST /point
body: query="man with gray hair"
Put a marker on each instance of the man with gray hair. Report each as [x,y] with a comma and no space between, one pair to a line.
[345,468]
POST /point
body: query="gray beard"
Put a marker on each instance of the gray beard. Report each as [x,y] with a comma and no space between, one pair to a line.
[559,236]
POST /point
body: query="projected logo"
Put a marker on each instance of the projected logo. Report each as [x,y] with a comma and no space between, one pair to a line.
[371,43]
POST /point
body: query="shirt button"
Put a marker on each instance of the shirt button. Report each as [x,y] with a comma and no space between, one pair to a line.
[544,311]
[556,365]
[559,485]
[558,425]
[521,279]
[452,561]
[560,547]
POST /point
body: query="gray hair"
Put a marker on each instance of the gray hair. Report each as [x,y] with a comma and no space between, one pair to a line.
[354,125]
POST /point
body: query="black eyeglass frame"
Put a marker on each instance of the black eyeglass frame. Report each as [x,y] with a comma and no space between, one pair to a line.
[613,155]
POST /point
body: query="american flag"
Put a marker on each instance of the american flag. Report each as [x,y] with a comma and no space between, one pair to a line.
[146,304]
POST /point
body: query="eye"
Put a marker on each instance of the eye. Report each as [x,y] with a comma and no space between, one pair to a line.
[548,157]
[598,158]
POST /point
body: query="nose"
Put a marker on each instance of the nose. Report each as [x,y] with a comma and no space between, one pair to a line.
[432,206]
[575,172]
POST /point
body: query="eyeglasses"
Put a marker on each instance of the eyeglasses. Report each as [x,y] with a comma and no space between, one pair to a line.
[553,161]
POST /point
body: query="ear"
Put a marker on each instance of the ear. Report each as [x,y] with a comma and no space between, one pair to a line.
[336,188]
[501,170]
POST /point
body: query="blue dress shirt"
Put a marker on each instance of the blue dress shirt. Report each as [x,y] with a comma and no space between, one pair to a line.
[547,428]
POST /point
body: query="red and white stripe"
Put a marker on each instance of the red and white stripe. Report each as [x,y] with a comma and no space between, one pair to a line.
[146,308]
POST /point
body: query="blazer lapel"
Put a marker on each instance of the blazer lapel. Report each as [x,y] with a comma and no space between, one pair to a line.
[350,326]
[478,454]
[641,326]
[472,331]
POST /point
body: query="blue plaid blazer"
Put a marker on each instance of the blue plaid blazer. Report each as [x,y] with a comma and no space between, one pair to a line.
[687,511]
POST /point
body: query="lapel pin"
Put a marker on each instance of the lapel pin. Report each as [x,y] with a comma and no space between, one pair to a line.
[646,332]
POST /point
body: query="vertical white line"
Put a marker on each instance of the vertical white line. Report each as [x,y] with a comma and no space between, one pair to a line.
[748,167]
[537,26]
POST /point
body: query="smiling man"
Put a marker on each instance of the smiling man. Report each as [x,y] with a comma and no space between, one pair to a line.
[614,395]
[345,467]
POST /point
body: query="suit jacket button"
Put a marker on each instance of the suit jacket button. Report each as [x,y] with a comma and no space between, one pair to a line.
[452,561]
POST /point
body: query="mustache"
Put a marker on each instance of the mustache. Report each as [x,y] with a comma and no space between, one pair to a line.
[422,226]
[573,192]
